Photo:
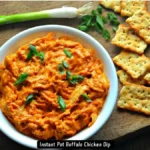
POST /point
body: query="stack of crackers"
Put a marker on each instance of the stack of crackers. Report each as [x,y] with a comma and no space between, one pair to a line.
[133,38]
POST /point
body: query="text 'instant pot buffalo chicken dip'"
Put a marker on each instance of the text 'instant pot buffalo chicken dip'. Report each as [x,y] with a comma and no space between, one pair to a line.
[52,87]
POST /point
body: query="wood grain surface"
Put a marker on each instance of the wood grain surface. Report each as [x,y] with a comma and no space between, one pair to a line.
[121,122]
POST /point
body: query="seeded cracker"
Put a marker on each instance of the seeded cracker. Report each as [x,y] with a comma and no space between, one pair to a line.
[125,77]
[147,78]
[127,39]
[135,65]
[140,23]
[129,7]
[111,4]
[135,98]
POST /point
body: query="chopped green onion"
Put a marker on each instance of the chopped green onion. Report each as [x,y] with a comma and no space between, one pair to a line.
[29,55]
[96,21]
[65,64]
[21,78]
[115,28]
[94,13]
[80,78]
[99,21]
[99,9]
[66,51]
[106,34]
[104,19]
[33,51]
[111,16]
[113,20]
[98,28]
[83,27]
[29,99]
[68,75]
[61,69]
[73,79]
[41,55]
[85,96]
[61,103]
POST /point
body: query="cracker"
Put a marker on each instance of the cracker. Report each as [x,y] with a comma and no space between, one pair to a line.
[147,78]
[135,98]
[127,39]
[125,77]
[135,65]
[140,23]
[129,7]
[111,4]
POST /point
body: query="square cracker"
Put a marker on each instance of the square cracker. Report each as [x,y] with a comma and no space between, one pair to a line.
[127,39]
[140,23]
[147,78]
[125,77]
[135,65]
[111,4]
[135,98]
[129,7]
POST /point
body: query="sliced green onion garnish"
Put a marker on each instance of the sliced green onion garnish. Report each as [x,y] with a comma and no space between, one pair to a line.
[61,103]
[29,99]
[61,69]
[66,51]
[41,55]
[21,78]
[65,64]
[33,52]
[85,96]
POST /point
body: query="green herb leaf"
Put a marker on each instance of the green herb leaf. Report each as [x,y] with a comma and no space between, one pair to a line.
[106,34]
[61,103]
[66,51]
[83,27]
[61,69]
[99,9]
[21,78]
[29,99]
[41,55]
[99,21]
[85,96]
[65,64]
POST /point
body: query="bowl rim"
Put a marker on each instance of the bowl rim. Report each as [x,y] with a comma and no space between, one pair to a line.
[113,91]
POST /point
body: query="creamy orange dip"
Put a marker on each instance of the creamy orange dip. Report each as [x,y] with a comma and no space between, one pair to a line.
[63,92]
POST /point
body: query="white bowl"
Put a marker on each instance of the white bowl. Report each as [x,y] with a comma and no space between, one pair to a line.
[24,37]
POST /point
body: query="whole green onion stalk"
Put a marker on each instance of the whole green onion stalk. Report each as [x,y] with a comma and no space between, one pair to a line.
[64,12]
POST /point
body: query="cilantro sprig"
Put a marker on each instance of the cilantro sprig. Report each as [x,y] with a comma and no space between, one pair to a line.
[97,21]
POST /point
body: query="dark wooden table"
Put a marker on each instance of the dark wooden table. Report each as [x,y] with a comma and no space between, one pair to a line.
[122,126]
